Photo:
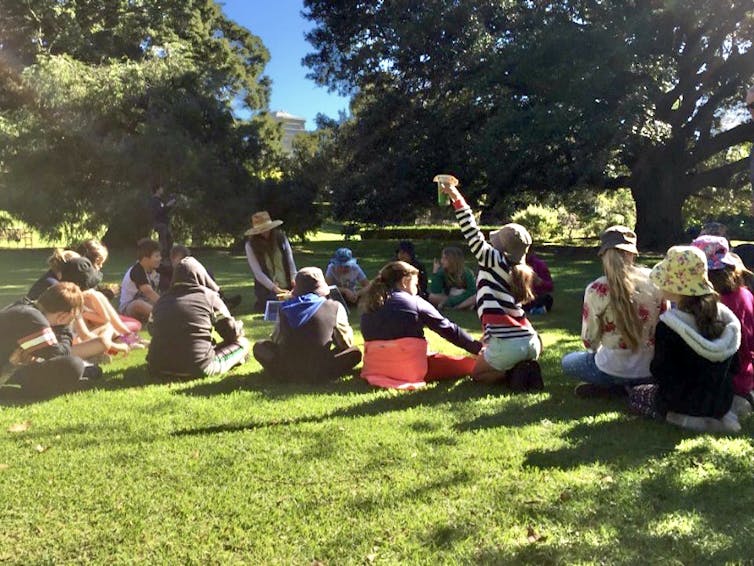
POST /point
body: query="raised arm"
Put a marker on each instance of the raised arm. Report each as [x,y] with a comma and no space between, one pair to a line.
[483,251]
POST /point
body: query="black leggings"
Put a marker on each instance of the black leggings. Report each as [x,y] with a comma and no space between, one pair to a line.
[49,378]
[274,360]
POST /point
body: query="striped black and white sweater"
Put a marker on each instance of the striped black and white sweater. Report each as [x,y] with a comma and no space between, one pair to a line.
[501,316]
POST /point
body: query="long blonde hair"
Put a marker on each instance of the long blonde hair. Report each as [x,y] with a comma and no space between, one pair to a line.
[522,282]
[620,273]
[386,281]
[456,266]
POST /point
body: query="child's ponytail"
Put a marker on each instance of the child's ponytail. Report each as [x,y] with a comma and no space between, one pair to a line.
[379,290]
[522,282]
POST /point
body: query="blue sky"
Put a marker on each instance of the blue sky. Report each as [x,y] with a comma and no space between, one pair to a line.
[281,27]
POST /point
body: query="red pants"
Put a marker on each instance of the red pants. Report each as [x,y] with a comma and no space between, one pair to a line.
[442,366]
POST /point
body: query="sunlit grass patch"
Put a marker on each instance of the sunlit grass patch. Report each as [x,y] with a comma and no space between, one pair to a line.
[246,469]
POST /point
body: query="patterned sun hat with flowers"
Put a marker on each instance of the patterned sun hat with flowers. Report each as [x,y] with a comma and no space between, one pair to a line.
[717,251]
[683,272]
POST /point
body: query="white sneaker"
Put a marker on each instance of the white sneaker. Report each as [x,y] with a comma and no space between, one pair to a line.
[741,407]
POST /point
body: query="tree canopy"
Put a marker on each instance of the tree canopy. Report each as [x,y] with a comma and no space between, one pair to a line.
[102,100]
[552,97]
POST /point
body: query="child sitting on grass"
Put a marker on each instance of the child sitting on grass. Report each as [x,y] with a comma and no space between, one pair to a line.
[695,342]
[405,251]
[97,315]
[312,340]
[504,282]
[393,321]
[184,319]
[726,273]
[344,272]
[138,292]
[453,283]
[543,286]
[618,321]
[37,361]
[53,275]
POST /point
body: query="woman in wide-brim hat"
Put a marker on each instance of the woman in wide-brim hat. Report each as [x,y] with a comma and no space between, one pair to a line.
[618,321]
[270,258]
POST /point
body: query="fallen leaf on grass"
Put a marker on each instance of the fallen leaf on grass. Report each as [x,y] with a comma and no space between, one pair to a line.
[39,448]
[608,479]
[533,536]
[4,466]
[371,557]
[20,427]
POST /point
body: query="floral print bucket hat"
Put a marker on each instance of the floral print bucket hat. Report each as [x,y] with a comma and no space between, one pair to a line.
[683,272]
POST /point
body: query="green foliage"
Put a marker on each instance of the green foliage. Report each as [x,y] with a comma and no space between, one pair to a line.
[104,100]
[606,209]
[248,469]
[547,97]
[445,233]
[542,222]
[713,204]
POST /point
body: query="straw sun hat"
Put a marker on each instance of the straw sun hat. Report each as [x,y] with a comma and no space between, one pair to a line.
[261,222]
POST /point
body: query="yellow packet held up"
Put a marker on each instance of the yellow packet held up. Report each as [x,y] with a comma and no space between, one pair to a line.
[442,198]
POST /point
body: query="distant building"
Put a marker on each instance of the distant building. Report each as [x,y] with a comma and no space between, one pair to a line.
[292,126]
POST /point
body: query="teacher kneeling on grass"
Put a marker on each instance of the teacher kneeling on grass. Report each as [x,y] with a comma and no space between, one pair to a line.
[393,321]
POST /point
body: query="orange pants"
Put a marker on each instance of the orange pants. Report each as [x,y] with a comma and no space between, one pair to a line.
[404,364]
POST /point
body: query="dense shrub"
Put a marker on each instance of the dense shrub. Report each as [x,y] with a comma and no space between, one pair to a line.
[542,222]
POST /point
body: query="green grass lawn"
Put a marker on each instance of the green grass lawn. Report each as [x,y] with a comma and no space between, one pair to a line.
[247,470]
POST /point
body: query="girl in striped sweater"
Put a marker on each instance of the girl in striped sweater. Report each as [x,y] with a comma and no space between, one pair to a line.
[504,282]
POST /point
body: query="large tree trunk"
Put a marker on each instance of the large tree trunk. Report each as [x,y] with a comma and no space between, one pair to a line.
[659,199]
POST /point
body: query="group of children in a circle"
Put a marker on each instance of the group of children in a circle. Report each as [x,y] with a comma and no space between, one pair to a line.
[675,340]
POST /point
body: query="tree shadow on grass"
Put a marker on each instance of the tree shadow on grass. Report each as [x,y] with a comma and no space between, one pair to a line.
[129,378]
[622,443]
[387,401]
[276,388]
[691,503]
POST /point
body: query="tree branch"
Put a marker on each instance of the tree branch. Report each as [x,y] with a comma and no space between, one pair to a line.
[718,177]
[734,136]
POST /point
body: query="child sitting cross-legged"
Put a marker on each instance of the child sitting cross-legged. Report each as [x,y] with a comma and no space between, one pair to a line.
[37,356]
[184,319]
[618,321]
[312,340]
[453,283]
[344,272]
[138,290]
[695,342]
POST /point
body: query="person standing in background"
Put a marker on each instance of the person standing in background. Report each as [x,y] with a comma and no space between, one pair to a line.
[161,210]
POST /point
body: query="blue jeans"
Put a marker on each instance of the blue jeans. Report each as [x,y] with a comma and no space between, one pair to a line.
[581,366]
